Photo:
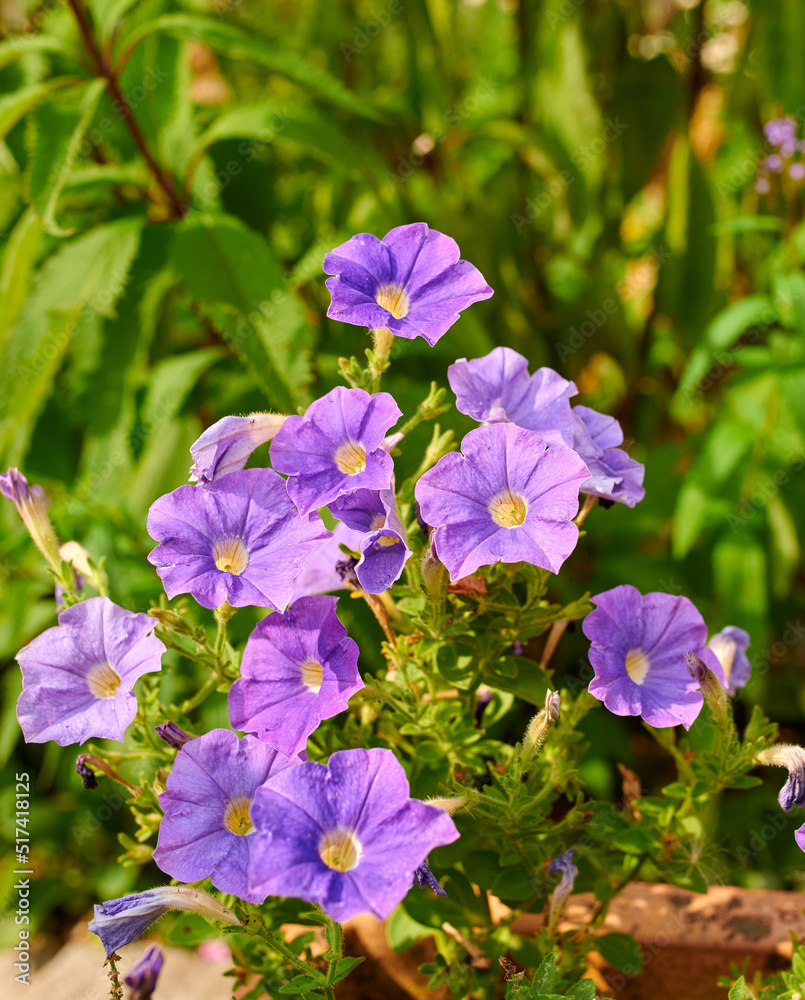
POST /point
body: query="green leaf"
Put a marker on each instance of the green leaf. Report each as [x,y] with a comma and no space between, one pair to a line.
[170,381]
[56,129]
[584,989]
[345,966]
[107,14]
[740,991]
[231,41]
[301,984]
[76,285]
[722,332]
[15,106]
[268,121]
[17,47]
[231,272]
[622,952]
[545,975]
[785,548]
[17,266]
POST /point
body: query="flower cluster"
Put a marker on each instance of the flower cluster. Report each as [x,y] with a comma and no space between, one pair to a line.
[781,133]
[251,812]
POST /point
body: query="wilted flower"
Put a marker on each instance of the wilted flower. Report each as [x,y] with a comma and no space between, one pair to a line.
[730,645]
[28,501]
[613,474]
[173,735]
[425,879]
[384,546]
[240,540]
[505,499]
[793,791]
[411,282]
[142,979]
[298,668]
[498,389]
[207,828]
[638,653]
[346,836]
[85,772]
[336,447]
[77,677]
[118,922]
[226,445]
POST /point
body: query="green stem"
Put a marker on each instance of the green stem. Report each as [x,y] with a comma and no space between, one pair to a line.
[378,358]
[335,938]
[256,930]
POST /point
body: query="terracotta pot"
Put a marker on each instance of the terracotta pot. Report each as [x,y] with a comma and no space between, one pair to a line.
[687,939]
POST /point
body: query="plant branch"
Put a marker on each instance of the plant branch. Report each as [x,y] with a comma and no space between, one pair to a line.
[104,69]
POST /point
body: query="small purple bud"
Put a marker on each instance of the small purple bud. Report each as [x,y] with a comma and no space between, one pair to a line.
[173,735]
[425,879]
[142,980]
[87,775]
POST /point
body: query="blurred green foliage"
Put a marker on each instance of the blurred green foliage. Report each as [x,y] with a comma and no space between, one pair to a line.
[162,238]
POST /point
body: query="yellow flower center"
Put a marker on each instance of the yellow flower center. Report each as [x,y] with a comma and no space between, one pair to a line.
[637,664]
[508,509]
[385,540]
[378,521]
[393,299]
[230,556]
[350,458]
[311,675]
[103,680]
[340,850]
[237,818]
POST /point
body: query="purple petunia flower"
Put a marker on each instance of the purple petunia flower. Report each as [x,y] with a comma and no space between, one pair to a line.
[207,830]
[118,922]
[729,646]
[346,836]
[226,445]
[613,475]
[498,389]
[77,677]
[505,499]
[320,573]
[384,545]
[240,540]
[336,447]
[638,653]
[142,979]
[298,668]
[411,282]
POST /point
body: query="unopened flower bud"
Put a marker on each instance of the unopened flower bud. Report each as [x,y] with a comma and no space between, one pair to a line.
[173,735]
[541,725]
[434,575]
[793,757]
[142,980]
[226,446]
[564,865]
[118,922]
[29,503]
[449,805]
[704,667]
